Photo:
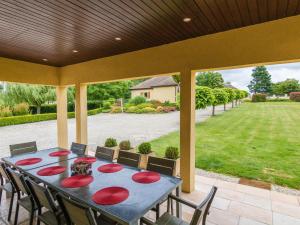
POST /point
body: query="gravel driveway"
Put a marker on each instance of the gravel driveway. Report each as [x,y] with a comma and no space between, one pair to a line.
[135,127]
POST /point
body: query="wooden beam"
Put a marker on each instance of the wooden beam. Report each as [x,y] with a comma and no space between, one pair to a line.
[187,130]
[62,116]
[81,113]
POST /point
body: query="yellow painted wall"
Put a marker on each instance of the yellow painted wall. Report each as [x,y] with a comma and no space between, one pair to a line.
[161,94]
[26,72]
[272,42]
[135,93]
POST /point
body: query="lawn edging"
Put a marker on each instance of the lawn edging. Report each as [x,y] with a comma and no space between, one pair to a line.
[15,120]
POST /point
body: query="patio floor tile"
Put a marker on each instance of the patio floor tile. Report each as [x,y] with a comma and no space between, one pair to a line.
[226,185]
[280,197]
[220,217]
[257,201]
[252,212]
[206,180]
[286,209]
[253,191]
[230,194]
[246,221]
[280,219]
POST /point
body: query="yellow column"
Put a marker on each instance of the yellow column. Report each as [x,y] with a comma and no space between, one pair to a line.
[187,130]
[81,113]
[62,116]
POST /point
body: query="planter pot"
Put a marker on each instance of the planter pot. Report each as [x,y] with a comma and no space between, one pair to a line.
[144,160]
[116,149]
[177,168]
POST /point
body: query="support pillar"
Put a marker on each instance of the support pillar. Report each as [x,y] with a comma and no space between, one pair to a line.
[187,130]
[81,113]
[62,116]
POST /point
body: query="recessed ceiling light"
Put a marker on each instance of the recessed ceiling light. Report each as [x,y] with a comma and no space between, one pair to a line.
[118,39]
[74,51]
[45,60]
[187,19]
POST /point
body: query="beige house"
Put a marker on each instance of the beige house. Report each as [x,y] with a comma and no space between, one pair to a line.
[157,88]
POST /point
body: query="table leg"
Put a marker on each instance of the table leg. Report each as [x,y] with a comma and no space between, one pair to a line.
[178,205]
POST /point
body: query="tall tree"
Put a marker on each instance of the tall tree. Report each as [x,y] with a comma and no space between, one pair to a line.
[210,79]
[285,87]
[261,80]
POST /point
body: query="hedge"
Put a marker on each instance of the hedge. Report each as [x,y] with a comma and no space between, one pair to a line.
[14,120]
[295,96]
[259,97]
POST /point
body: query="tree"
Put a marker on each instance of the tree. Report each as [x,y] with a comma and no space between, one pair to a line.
[221,97]
[285,87]
[210,79]
[231,96]
[261,80]
[204,97]
[34,95]
[176,78]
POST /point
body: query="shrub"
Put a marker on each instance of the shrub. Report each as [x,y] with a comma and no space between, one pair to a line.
[116,109]
[131,109]
[5,112]
[14,120]
[110,142]
[145,148]
[94,111]
[21,109]
[172,152]
[168,109]
[168,103]
[295,96]
[259,97]
[278,100]
[221,96]
[125,145]
[159,109]
[144,105]
[106,105]
[147,110]
[204,97]
[155,103]
[137,100]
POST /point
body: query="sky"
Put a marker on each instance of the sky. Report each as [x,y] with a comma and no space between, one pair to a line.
[240,78]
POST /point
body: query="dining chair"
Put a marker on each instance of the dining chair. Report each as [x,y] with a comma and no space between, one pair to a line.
[45,200]
[7,186]
[27,201]
[105,153]
[18,149]
[129,158]
[199,216]
[78,148]
[77,213]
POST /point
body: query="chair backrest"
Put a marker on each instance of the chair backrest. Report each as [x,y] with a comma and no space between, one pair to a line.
[41,195]
[3,172]
[22,148]
[161,165]
[105,153]
[74,212]
[203,209]
[78,148]
[18,181]
[129,158]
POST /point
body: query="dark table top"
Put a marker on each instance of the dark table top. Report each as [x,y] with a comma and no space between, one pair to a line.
[142,197]
[44,154]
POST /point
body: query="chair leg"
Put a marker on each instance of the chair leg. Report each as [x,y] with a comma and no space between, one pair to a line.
[1,195]
[11,206]
[157,211]
[16,214]
[31,217]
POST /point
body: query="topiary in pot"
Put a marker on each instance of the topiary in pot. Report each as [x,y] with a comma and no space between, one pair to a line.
[125,145]
[145,151]
[110,142]
[172,153]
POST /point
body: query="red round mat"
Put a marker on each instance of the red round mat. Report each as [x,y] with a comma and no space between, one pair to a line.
[110,168]
[29,161]
[77,181]
[60,153]
[86,160]
[52,170]
[110,195]
[146,177]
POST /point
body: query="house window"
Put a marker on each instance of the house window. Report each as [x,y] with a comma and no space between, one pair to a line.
[146,94]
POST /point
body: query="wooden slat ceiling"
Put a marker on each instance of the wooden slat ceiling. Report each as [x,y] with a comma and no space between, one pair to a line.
[33,30]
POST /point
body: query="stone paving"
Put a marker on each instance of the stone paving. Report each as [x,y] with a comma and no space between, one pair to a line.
[134,127]
[234,204]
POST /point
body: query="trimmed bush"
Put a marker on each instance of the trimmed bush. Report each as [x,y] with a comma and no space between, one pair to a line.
[110,142]
[116,109]
[14,120]
[145,148]
[231,94]
[107,105]
[144,105]
[125,145]
[259,97]
[172,152]
[137,100]
[204,97]
[155,103]
[5,112]
[295,96]
[21,109]
[147,110]
[94,112]
[131,109]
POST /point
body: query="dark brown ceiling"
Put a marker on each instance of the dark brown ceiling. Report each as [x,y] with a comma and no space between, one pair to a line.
[32,30]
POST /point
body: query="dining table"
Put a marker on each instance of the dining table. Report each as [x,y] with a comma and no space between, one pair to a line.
[138,197]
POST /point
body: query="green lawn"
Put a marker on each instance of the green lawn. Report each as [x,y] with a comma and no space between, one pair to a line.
[256,140]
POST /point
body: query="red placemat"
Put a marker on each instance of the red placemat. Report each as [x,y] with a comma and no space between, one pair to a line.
[60,153]
[110,195]
[29,161]
[86,160]
[110,168]
[52,170]
[77,181]
[146,177]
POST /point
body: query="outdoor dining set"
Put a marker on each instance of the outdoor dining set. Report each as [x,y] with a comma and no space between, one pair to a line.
[67,186]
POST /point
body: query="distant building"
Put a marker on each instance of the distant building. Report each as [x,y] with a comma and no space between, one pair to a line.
[162,88]
[229,85]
